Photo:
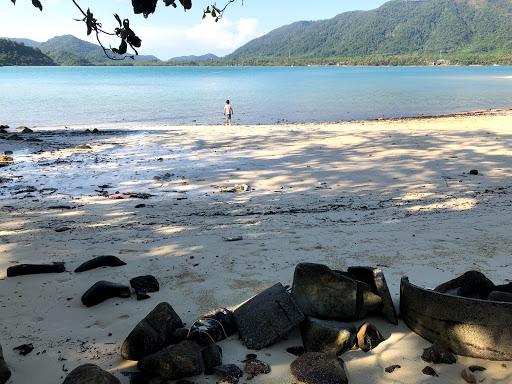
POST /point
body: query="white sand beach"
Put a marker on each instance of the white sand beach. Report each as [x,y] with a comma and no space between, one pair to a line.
[393,194]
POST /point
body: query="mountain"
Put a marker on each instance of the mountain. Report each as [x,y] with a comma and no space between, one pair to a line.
[12,53]
[194,58]
[70,50]
[399,27]
[26,42]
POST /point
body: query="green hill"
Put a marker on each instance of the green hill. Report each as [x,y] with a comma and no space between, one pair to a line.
[422,28]
[12,53]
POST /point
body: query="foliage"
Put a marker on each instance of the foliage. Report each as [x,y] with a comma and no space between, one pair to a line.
[400,27]
[12,53]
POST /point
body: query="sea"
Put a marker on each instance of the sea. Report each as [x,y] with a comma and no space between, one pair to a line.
[127,97]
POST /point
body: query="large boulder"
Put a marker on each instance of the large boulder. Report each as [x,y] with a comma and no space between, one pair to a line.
[472,284]
[35,269]
[90,374]
[5,372]
[319,368]
[103,290]
[374,277]
[142,285]
[152,334]
[175,362]
[267,318]
[213,327]
[327,336]
[333,295]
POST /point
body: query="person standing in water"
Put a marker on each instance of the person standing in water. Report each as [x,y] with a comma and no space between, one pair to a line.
[228,112]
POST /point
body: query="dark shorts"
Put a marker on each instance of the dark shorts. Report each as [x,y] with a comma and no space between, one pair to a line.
[228,117]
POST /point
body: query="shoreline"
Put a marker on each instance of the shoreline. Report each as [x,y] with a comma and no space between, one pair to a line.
[143,126]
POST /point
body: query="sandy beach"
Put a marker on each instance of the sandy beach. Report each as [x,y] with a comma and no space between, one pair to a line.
[393,194]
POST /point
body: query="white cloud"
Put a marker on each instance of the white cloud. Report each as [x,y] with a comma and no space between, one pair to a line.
[208,36]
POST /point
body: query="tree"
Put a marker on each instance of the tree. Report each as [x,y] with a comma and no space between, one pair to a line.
[124,32]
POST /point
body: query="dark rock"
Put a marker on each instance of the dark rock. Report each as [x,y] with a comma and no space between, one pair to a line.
[84,147]
[101,261]
[152,334]
[3,126]
[95,131]
[472,284]
[255,367]
[392,368]
[212,357]
[438,354]
[296,351]
[62,229]
[267,318]
[143,285]
[175,362]
[3,131]
[8,153]
[374,277]
[213,327]
[35,269]
[369,337]
[90,374]
[474,172]
[24,349]
[327,336]
[429,371]
[319,368]
[14,137]
[138,206]
[5,372]
[104,290]
[504,288]
[500,296]
[326,294]
[26,130]
[179,335]
[229,373]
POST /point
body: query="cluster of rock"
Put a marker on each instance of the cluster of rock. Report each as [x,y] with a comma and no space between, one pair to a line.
[4,133]
[476,285]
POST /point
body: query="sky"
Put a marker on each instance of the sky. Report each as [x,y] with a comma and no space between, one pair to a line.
[172,32]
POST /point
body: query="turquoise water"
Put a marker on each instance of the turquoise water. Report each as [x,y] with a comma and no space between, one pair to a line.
[58,96]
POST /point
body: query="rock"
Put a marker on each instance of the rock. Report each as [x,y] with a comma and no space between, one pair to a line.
[24,349]
[500,296]
[255,367]
[229,373]
[139,206]
[296,351]
[392,368]
[429,371]
[35,269]
[374,277]
[3,126]
[8,153]
[90,374]
[62,229]
[95,131]
[212,357]
[504,288]
[472,284]
[474,172]
[175,362]
[474,374]
[3,131]
[100,261]
[5,372]
[235,189]
[213,327]
[327,336]
[179,335]
[143,285]
[319,368]
[332,295]
[152,334]
[14,137]
[438,354]
[104,290]
[25,130]
[369,337]
[267,318]
[84,147]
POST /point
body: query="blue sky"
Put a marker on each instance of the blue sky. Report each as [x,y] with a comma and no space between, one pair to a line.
[172,32]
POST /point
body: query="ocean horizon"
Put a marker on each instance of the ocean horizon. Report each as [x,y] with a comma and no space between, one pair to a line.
[118,97]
